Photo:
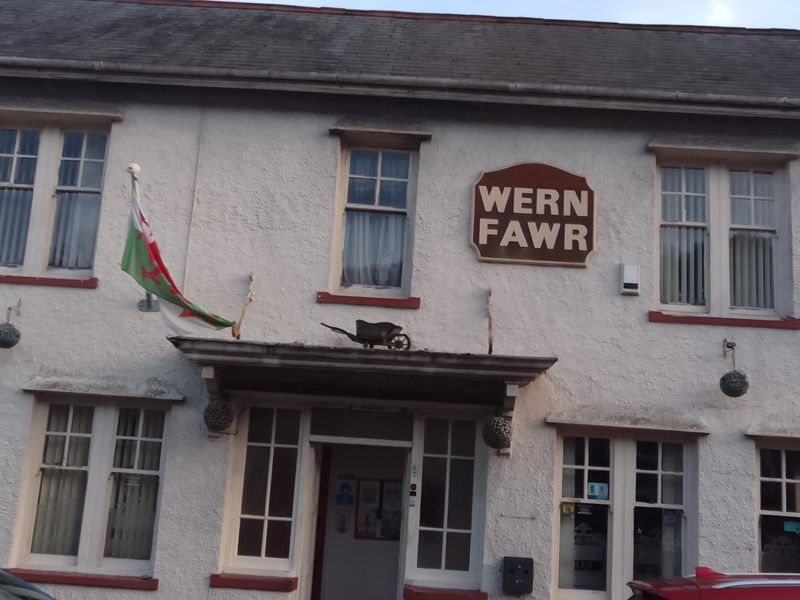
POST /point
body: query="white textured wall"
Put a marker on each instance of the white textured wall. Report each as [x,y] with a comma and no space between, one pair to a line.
[265,202]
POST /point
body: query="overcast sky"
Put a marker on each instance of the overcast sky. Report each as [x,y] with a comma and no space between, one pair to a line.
[740,13]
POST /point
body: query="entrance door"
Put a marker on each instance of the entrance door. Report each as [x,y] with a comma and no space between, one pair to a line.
[363,523]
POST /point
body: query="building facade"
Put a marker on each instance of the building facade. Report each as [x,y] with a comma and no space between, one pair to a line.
[578,225]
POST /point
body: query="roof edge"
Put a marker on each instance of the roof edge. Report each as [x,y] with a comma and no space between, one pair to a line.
[498,91]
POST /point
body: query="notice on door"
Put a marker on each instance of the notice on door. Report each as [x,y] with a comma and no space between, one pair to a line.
[533,213]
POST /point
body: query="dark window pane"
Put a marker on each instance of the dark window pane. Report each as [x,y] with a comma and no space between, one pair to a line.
[92,175]
[583,547]
[792,464]
[599,452]
[771,495]
[254,492]
[672,489]
[672,457]
[279,536]
[361,191]
[26,170]
[73,144]
[647,456]
[459,510]
[599,485]
[656,543]
[433,492]
[153,426]
[96,145]
[462,440]
[54,449]
[572,483]
[771,463]
[780,545]
[574,451]
[68,172]
[395,165]
[260,425]
[393,194]
[8,141]
[28,142]
[149,456]
[435,436]
[5,168]
[124,454]
[646,487]
[287,429]
[456,557]
[364,162]
[429,551]
[128,423]
[250,533]
[362,423]
[82,419]
[15,210]
[57,417]
[78,453]
[792,498]
[281,496]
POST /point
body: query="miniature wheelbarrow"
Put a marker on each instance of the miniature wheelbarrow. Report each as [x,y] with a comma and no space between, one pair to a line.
[376,334]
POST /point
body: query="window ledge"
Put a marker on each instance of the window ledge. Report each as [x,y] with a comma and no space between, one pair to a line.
[657,316]
[326,298]
[253,582]
[128,582]
[90,283]
[413,592]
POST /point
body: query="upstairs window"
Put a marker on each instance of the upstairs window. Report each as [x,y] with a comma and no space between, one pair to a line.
[719,240]
[50,191]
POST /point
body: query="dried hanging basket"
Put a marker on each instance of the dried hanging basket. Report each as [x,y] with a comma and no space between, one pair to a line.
[734,384]
[218,415]
[9,335]
[497,432]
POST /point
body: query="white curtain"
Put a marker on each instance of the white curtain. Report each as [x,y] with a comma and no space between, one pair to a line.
[373,249]
[75,230]
[131,516]
[751,267]
[15,210]
[59,512]
[683,259]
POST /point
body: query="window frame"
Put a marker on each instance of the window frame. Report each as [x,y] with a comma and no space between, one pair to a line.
[622,501]
[90,558]
[782,446]
[341,209]
[718,227]
[44,202]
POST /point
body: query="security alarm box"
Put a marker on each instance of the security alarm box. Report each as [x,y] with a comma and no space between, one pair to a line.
[629,280]
[517,575]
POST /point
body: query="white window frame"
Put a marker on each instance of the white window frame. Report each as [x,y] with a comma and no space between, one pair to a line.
[91,547]
[782,446]
[622,496]
[230,562]
[718,227]
[442,577]
[45,202]
[337,251]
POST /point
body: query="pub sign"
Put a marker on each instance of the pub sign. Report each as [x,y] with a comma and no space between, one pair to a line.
[533,213]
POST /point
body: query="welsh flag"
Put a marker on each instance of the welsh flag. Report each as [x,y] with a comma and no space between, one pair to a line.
[142,261]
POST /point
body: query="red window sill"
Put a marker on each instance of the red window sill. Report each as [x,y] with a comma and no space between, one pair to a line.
[90,283]
[413,592]
[253,582]
[326,298]
[86,579]
[656,316]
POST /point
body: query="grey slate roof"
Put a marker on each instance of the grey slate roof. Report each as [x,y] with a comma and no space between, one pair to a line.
[499,59]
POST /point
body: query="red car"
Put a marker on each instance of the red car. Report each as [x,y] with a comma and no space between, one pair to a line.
[708,584]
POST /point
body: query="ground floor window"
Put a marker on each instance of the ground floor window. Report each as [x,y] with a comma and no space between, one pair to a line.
[622,512]
[97,488]
[780,510]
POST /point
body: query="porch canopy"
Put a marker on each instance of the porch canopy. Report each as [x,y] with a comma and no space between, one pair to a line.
[422,376]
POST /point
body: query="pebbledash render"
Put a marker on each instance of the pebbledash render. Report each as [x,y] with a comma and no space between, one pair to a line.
[579,226]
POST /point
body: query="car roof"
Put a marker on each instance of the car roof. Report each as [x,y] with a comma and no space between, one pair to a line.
[706,579]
